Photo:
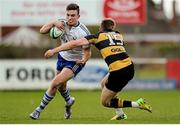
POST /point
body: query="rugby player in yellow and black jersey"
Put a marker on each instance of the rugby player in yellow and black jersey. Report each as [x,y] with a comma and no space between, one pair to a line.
[121,69]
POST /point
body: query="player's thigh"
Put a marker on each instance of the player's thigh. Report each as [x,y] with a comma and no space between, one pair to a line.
[107,95]
[57,72]
[63,76]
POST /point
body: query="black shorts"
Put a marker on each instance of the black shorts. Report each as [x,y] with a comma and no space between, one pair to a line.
[119,79]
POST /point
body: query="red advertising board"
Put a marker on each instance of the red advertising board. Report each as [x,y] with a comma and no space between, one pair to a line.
[173,70]
[125,11]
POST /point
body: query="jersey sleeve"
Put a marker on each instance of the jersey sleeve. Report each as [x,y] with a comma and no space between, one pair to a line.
[86,32]
[92,38]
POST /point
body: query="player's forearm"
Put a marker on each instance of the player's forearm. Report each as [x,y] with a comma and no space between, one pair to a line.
[70,45]
[45,28]
[63,47]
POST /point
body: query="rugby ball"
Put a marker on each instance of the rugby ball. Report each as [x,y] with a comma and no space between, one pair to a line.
[55,32]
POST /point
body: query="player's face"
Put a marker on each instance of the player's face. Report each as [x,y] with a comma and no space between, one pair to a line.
[72,17]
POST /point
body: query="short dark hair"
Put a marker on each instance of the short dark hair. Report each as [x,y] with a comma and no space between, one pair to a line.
[73,6]
[108,24]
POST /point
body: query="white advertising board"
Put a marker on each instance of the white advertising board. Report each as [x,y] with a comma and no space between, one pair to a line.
[38,12]
[37,74]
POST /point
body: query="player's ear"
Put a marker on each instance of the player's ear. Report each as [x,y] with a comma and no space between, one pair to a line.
[112,27]
[100,29]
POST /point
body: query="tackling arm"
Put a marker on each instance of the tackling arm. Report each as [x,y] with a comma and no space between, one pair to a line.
[66,46]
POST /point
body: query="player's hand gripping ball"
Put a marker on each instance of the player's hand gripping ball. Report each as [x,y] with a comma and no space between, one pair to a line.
[55,32]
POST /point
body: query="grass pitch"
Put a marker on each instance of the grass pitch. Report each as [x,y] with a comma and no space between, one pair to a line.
[15,107]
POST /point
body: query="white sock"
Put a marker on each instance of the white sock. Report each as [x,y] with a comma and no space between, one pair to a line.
[134,104]
[119,111]
[69,101]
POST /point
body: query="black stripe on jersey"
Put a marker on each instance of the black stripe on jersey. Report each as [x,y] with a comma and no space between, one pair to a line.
[102,44]
[92,37]
[112,58]
[89,37]
[105,43]
[84,29]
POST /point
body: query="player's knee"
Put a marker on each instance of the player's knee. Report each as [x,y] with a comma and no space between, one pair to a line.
[105,102]
[54,85]
[55,82]
[52,90]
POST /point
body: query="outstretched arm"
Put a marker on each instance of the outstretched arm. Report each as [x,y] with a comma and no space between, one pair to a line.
[66,46]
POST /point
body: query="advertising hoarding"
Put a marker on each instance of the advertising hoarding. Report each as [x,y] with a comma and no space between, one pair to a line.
[38,12]
[37,74]
[126,11]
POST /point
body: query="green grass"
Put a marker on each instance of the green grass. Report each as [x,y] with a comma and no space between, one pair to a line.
[15,107]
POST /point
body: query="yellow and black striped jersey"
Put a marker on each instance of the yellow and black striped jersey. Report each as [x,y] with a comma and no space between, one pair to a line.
[111,46]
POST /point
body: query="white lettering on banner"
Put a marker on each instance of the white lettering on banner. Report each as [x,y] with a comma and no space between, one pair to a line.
[26,74]
[38,12]
[132,14]
[33,74]
[23,74]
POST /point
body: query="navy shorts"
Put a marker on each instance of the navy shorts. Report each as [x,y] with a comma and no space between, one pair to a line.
[62,63]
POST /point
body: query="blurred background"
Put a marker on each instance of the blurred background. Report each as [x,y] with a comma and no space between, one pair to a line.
[151,30]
